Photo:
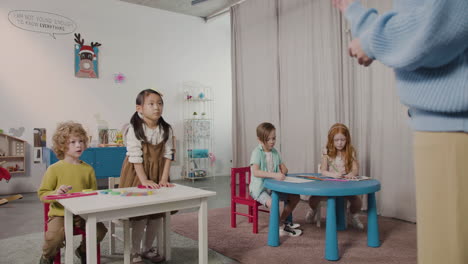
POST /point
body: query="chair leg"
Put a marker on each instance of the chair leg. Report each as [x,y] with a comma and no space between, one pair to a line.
[57,257]
[251,210]
[126,240]
[98,249]
[318,215]
[98,253]
[111,237]
[255,218]
[233,214]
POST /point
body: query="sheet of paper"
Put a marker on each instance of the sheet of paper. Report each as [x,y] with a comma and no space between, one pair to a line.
[361,178]
[296,180]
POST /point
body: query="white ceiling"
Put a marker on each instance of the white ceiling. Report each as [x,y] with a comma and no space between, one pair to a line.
[203,9]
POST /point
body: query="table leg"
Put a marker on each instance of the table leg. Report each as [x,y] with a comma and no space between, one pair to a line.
[273,228]
[341,213]
[167,236]
[203,232]
[331,237]
[91,243]
[372,222]
[127,239]
[68,236]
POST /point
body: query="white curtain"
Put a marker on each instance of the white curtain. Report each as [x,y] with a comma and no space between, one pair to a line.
[310,80]
[315,85]
[255,73]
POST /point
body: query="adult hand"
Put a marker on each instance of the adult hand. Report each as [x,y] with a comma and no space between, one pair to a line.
[342,4]
[63,189]
[279,176]
[355,50]
[151,184]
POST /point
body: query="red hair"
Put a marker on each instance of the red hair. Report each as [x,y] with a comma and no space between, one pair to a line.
[349,152]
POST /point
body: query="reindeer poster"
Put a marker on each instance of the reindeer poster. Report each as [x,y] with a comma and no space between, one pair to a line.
[86,58]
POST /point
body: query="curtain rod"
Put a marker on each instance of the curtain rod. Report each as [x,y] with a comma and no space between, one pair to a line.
[222,11]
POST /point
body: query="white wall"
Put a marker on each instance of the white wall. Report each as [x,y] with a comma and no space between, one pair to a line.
[153,48]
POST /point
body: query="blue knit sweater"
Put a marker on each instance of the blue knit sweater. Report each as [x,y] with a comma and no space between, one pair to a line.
[426,43]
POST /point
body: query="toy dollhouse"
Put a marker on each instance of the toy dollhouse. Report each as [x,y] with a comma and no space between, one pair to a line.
[13,153]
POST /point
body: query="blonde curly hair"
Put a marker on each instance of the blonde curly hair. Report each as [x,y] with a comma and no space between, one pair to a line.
[61,137]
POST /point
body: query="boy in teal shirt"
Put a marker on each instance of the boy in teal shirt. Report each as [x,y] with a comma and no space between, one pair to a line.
[266,162]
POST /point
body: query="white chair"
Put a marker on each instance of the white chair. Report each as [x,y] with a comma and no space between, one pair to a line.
[163,246]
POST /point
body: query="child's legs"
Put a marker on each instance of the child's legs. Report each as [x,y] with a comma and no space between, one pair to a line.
[441,204]
[151,231]
[355,204]
[314,201]
[264,198]
[101,231]
[138,225]
[292,201]
[54,237]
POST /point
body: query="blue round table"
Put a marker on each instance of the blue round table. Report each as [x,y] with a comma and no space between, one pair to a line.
[335,191]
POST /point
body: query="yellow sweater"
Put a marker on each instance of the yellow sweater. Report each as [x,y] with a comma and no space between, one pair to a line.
[79,176]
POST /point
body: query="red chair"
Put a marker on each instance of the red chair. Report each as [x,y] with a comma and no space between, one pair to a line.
[76,231]
[240,178]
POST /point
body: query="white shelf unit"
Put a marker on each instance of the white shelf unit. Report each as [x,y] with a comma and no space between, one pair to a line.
[198,131]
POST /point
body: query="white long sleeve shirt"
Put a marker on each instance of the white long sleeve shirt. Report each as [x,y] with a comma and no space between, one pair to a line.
[154,136]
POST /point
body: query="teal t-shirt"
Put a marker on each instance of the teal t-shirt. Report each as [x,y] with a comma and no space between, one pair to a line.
[258,157]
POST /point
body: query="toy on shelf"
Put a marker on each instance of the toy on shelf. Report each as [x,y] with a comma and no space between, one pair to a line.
[13,154]
[119,138]
[5,174]
[201,96]
[110,138]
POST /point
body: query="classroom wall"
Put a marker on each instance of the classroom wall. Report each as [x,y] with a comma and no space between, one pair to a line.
[153,48]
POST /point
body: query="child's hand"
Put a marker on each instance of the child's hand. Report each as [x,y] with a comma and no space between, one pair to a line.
[63,189]
[164,183]
[151,184]
[350,176]
[279,176]
[336,175]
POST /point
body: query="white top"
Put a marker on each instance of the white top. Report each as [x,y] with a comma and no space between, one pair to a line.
[154,136]
[269,161]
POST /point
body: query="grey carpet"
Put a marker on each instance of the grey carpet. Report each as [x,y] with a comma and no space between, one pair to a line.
[26,249]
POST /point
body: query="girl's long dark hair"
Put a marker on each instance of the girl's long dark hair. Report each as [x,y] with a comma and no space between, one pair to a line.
[137,122]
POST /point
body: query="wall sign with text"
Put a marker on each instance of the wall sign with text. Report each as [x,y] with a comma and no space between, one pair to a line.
[41,22]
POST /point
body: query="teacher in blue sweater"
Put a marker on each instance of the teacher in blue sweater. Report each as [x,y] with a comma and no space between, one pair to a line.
[426,43]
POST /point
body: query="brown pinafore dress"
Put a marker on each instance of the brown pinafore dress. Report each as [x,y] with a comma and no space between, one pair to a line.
[153,164]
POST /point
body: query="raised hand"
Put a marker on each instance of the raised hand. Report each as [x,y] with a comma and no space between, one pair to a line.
[355,50]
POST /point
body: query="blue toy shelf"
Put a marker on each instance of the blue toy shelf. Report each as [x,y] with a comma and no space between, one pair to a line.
[107,162]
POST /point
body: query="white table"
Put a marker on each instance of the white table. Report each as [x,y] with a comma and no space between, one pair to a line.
[104,207]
